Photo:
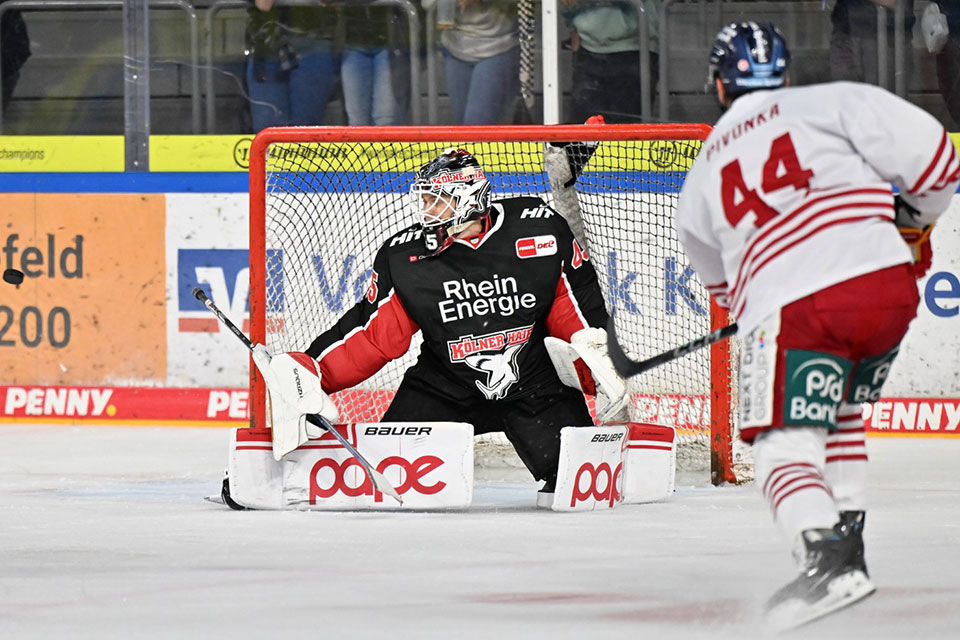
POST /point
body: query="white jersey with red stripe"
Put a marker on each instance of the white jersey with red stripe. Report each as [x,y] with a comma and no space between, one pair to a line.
[791,193]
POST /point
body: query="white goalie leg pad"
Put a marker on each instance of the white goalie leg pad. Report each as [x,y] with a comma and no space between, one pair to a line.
[590,473]
[256,479]
[650,463]
[429,463]
[584,364]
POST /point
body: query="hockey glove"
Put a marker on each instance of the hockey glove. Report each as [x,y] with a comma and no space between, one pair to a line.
[293,383]
[915,235]
[583,363]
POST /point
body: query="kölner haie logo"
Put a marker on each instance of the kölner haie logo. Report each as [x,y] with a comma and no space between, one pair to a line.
[494,354]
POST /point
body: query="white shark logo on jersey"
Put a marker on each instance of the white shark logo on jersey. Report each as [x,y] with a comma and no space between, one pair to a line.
[501,370]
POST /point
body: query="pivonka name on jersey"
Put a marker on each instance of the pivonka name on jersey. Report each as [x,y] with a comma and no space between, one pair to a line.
[722,139]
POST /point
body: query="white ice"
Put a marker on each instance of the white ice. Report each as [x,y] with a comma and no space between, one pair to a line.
[104,533]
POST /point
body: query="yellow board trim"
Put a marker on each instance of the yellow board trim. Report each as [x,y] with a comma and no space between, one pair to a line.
[221,153]
[230,153]
[59,154]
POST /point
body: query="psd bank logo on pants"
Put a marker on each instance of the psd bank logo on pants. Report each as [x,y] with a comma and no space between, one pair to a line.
[224,275]
[815,383]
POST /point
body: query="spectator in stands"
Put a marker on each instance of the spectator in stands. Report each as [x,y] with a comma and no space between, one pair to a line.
[291,63]
[375,70]
[948,56]
[605,40]
[15,51]
[481,50]
[853,40]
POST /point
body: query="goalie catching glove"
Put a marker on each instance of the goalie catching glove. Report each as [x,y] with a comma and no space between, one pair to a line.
[915,234]
[583,363]
[294,390]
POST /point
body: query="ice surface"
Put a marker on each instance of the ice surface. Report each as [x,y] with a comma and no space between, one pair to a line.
[104,533]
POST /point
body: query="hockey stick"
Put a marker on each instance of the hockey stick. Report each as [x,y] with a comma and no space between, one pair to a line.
[627,367]
[375,476]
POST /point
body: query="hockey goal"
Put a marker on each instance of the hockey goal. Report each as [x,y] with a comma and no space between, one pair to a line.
[323,200]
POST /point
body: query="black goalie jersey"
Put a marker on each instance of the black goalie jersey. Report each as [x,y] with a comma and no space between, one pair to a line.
[484,306]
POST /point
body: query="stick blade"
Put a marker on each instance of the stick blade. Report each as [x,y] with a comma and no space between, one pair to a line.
[383,485]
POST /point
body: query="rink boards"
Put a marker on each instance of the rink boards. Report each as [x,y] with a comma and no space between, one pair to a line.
[106,303]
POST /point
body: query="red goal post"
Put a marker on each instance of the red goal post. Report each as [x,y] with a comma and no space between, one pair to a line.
[323,199]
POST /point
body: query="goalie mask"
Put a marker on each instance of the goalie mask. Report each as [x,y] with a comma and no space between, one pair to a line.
[449,193]
[747,56]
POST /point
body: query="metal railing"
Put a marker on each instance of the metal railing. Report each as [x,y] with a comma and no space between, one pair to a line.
[187,7]
[710,16]
[717,10]
[219,5]
[552,97]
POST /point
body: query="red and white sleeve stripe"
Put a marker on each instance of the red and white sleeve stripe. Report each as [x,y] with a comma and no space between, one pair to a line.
[565,317]
[781,234]
[361,353]
[943,170]
[719,293]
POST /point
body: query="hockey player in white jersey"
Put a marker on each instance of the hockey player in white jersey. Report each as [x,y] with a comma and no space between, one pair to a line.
[789,217]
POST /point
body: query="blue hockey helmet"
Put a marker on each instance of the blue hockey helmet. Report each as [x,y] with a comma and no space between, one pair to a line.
[747,56]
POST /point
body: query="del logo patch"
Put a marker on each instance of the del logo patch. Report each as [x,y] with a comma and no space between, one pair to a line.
[536,246]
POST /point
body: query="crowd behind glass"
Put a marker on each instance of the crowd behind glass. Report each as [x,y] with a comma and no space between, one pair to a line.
[288,62]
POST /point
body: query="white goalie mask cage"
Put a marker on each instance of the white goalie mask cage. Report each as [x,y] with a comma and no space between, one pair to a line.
[454,183]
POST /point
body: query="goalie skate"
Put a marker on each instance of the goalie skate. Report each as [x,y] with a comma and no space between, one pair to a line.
[224,496]
[835,577]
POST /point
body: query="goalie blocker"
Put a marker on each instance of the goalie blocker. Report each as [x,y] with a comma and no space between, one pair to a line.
[584,364]
[294,390]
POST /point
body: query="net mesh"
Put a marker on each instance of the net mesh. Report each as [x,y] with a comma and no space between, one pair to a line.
[330,206]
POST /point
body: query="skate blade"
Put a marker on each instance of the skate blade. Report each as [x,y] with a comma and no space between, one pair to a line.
[216,499]
[544,500]
[842,592]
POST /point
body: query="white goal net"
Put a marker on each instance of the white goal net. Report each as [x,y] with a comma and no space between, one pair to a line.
[323,200]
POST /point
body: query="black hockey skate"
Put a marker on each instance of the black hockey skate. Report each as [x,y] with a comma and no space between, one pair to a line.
[854,520]
[834,575]
[227,500]
[224,497]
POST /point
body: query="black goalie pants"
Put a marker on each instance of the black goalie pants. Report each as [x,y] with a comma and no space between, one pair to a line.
[532,423]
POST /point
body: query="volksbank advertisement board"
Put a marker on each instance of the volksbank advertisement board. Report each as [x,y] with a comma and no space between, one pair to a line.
[110,259]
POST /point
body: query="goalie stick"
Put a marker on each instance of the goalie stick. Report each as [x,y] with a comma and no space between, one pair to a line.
[627,367]
[379,481]
[563,163]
